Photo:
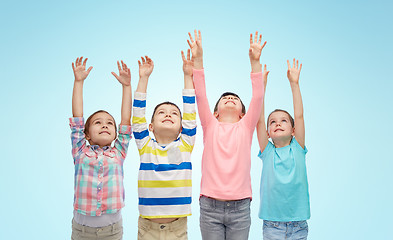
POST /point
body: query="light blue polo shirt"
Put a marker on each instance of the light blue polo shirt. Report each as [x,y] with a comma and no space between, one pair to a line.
[284,185]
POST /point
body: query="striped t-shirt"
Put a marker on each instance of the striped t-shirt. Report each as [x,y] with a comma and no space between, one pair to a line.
[164,179]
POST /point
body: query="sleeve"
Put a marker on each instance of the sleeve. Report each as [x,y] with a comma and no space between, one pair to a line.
[139,124]
[305,150]
[78,140]
[122,141]
[188,132]
[252,116]
[268,148]
[204,112]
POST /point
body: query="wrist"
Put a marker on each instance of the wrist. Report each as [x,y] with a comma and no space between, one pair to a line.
[256,67]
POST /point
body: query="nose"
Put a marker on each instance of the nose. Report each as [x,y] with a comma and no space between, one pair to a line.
[104,125]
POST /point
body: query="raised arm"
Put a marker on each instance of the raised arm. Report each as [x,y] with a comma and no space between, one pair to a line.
[188,65]
[263,138]
[145,69]
[293,77]
[80,74]
[125,79]
[204,112]
[253,113]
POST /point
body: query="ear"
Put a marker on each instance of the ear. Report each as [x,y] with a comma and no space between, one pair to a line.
[216,114]
[151,128]
[87,137]
[267,132]
[293,132]
[241,115]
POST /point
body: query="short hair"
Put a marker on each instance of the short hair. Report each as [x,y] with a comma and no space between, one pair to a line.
[281,110]
[165,103]
[88,121]
[233,94]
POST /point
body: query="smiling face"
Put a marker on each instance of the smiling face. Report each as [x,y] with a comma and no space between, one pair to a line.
[166,120]
[229,103]
[279,126]
[101,129]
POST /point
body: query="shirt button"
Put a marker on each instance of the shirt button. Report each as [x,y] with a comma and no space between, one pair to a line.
[162,226]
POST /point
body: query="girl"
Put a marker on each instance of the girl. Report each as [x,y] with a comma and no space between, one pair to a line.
[226,161]
[98,188]
[285,204]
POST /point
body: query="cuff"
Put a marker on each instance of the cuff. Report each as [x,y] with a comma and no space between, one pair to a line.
[77,122]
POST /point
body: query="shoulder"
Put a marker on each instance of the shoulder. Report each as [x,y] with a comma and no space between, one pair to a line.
[294,144]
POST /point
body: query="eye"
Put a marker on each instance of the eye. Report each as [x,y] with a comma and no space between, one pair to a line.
[284,120]
[97,122]
[175,113]
[272,122]
[160,112]
[110,123]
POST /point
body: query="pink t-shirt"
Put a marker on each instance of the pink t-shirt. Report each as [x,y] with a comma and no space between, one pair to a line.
[226,159]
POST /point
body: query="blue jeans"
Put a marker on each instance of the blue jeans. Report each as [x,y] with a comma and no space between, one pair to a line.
[285,230]
[221,220]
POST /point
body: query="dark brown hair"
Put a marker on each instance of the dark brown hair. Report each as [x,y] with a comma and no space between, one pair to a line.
[280,110]
[165,103]
[227,94]
[88,121]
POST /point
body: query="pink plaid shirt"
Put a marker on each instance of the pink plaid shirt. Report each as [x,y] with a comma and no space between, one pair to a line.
[98,187]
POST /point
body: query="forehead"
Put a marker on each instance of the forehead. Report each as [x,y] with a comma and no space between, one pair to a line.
[102,115]
[279,115]
[167,107]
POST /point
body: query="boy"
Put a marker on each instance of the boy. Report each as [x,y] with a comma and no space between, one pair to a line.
[164,181]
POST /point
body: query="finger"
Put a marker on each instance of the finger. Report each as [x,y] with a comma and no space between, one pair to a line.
[264,69]
[139,63]
[263,44]
[73,67]
[88,70]
[188,54]
[297,64]
[300,68]
[143,60]
[189,34]
[123,65]
[80,60]
[84,62]
[294,63]
[200,36]
[182,56]
[118,66]
[148,60]
[114,74]
[189,44]
[260,39]
[250,38]
[76,61]
[256,37]
[289,66]
[196,35]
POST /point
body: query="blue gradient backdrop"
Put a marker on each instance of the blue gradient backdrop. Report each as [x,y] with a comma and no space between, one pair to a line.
[346,82]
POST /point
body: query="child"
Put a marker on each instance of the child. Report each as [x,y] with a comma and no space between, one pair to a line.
[226,161]
[164,181]
[285,205]
[99,191]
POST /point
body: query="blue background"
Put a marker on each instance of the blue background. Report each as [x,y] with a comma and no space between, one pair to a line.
[346,83]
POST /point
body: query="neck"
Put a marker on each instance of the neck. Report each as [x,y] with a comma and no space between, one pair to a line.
[228,118]
[165,139]
[282,142]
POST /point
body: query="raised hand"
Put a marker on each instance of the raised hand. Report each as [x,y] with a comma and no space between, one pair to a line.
[124,74]
[146,67]
[255,47]
[188,64]
[79,69]
[294,71]
[196,46]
